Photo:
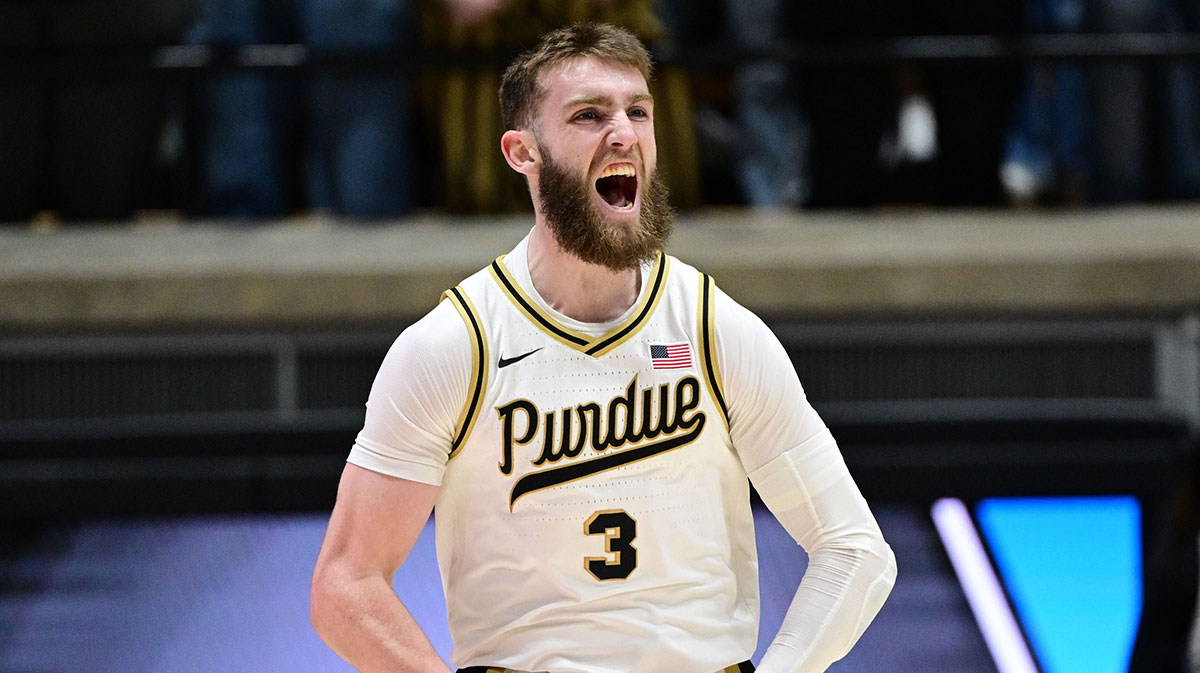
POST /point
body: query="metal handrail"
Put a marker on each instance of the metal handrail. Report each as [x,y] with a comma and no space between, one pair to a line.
[173,60]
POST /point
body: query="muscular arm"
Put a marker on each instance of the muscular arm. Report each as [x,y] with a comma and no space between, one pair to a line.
[796,467]
[374,525]
[386,494]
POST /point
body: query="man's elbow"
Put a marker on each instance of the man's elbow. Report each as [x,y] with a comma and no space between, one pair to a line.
[875,565]
[868,552]
[891,570]
[886,578]
[880,556]
[879,571]
[324,601]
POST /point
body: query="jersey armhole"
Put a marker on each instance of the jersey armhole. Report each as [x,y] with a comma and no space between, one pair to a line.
[479,367]
[709,368]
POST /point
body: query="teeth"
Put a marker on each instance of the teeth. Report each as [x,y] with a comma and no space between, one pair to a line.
[618,169]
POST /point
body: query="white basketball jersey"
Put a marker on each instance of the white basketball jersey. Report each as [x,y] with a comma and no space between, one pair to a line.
[593,516]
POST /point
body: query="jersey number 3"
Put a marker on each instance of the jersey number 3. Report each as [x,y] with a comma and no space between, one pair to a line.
[619,529]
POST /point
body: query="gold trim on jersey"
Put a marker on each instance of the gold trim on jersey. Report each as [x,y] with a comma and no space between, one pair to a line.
[708,346]
[479,366]
[623,559]
[589,345]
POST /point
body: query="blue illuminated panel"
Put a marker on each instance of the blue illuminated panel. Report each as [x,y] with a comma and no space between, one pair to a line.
[1072,567]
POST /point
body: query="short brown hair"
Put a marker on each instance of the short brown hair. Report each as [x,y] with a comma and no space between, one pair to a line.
[521,85]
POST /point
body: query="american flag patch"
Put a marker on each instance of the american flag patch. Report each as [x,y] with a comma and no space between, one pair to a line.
[671,356]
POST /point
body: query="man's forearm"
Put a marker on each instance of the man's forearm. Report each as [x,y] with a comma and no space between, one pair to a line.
[851,569]
[364,622]
[842,591]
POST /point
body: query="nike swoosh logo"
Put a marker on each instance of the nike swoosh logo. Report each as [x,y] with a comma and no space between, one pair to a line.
[536,481]
[504,362]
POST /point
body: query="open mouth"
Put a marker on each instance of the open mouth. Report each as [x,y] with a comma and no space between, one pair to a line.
[617,185]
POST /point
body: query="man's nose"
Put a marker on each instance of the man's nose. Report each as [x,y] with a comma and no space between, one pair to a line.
[621,133]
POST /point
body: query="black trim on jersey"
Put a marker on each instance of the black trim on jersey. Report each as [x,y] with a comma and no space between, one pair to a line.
[708,347]
[655,288]
[584,343]
[480,373]
[530,310]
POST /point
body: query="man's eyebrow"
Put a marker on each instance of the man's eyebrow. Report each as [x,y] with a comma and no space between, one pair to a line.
[602,100]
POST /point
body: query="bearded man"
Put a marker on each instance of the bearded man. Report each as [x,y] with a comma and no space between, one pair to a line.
[585,416]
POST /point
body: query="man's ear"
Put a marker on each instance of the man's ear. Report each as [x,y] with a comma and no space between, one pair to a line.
[520,151]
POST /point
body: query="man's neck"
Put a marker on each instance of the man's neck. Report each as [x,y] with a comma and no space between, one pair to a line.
[575,288]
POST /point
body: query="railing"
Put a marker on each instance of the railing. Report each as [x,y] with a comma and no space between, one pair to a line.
[178,68]
[34,64]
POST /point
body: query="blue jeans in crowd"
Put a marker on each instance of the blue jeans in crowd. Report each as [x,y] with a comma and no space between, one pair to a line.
[345,134]
[769,138]
[1048,137]
[773,169]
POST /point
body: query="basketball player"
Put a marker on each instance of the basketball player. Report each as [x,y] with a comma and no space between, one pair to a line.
[583,415]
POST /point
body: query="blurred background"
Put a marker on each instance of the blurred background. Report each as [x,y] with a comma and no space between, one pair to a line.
[975,227]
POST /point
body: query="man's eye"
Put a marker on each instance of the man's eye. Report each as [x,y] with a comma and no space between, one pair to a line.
[586,115]
[639,112]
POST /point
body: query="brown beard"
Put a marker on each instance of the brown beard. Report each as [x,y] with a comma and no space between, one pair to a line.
[579,227]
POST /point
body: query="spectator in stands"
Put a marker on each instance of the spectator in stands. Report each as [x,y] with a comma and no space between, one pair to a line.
[1183,106]
[22,118]
[773,168]
[1045,152]
[84,146]
[347,132]
[768,139]
[1139,154]
[909,150]
[1122,104]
